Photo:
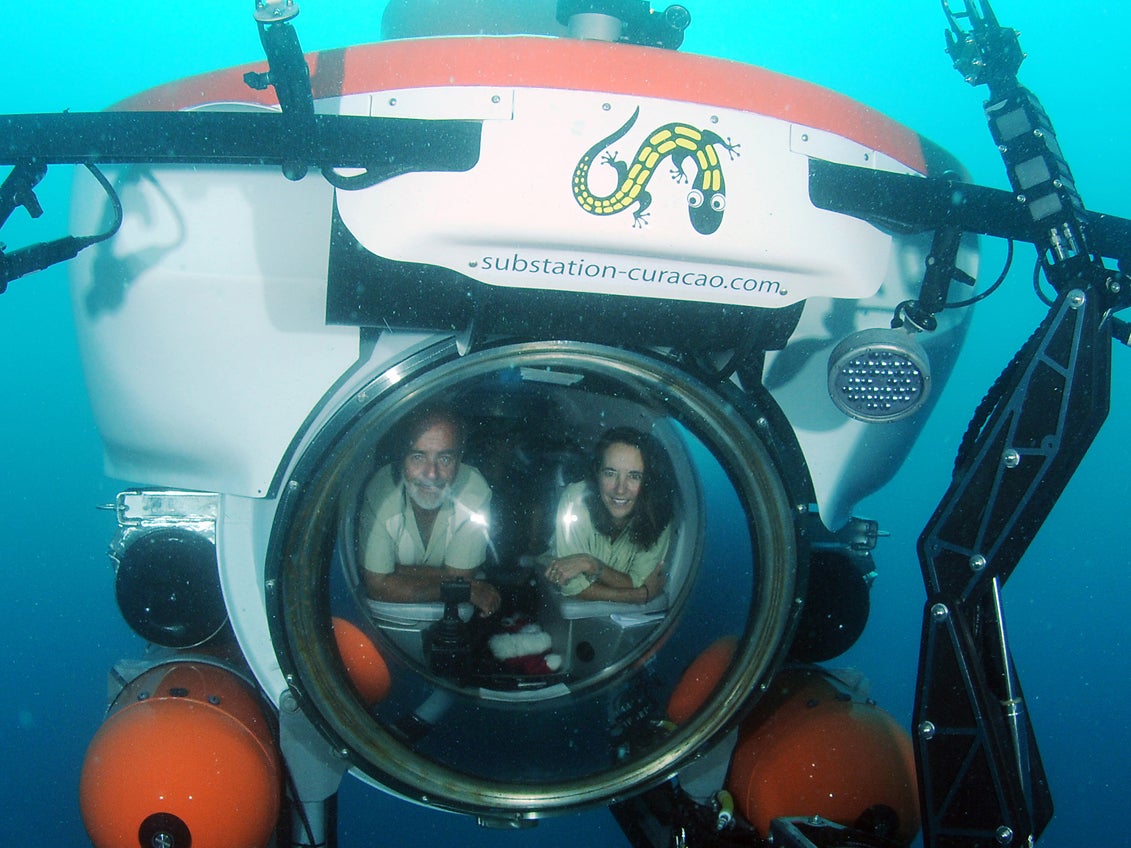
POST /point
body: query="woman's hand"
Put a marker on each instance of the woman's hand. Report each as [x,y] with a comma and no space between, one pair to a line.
[654,583]
[561,571]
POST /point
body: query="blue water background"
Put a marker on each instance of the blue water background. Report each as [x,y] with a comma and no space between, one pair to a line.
[1066,604]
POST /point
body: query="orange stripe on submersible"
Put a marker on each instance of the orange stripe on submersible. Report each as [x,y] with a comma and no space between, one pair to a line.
[561,64]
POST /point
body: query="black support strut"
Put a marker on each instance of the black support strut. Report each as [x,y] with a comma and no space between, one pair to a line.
[981,776]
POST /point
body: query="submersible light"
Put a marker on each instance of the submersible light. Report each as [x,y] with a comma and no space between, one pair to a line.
[879,375]
[166,579]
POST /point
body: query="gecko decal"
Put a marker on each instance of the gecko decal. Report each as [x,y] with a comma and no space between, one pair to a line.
[706,201]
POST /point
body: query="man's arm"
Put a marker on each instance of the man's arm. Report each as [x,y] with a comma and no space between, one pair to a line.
[421,584]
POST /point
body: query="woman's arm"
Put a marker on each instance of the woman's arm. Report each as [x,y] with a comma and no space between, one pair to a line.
[617,587]
[606,584]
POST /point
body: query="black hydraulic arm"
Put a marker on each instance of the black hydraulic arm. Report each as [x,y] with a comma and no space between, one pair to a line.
[981,777]
[982,781]
[387,146]
[384,147]
[913,204]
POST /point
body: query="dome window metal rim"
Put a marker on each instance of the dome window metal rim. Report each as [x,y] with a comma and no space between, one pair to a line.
[314,670]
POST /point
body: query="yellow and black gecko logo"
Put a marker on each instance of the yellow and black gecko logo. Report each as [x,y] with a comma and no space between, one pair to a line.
[707,199]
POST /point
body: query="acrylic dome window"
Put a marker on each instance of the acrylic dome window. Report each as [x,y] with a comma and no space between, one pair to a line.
[579,688]
[531,433]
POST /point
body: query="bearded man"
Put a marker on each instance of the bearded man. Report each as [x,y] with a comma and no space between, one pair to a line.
[424,517]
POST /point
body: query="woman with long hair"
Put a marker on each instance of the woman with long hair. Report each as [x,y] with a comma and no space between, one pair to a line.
[613,529]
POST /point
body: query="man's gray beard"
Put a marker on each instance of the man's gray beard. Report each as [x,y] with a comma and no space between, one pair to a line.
[427,497]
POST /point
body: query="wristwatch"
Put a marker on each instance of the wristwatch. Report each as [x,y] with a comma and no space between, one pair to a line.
[596,574]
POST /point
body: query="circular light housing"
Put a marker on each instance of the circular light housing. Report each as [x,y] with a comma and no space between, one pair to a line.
[879,375]
[168,589]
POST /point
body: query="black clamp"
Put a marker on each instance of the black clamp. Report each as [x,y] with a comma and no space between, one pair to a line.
[287,72]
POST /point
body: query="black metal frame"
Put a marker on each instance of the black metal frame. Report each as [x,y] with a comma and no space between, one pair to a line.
[981,778]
